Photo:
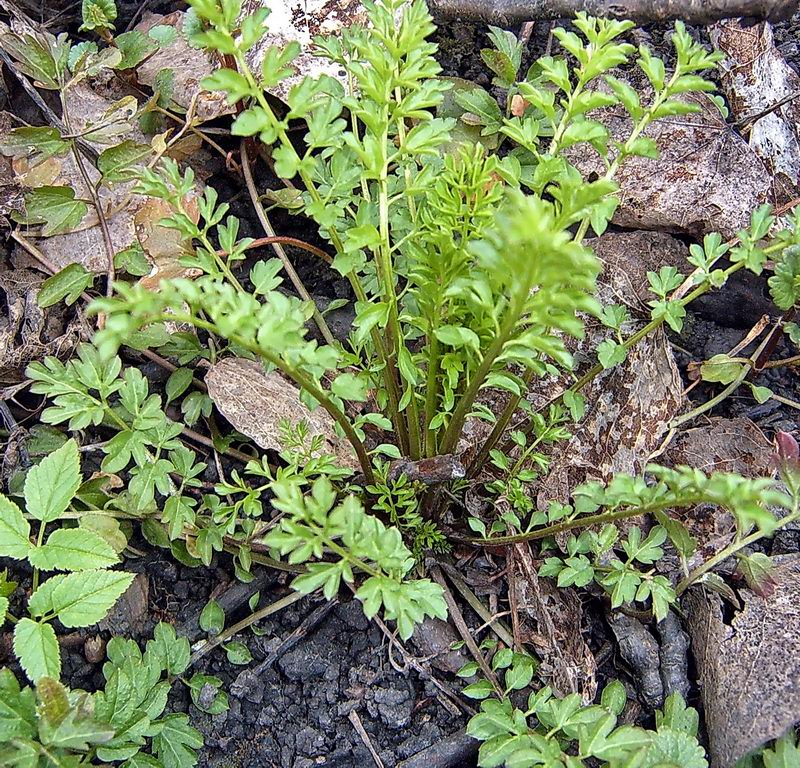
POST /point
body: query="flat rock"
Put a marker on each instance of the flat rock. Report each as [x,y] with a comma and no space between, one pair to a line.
[707,178]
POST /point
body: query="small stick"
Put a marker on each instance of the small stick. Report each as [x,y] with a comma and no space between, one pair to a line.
[285,240]
[463,629]
[207,645]
[492,622]
[449,698]
[305,627]
[359,726]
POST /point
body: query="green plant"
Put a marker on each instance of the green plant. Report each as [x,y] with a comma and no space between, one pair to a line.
[469,273]
[551,731]
[594,555]
[463,282]
[315,523]
[78,598]
[124,723]
[785,752]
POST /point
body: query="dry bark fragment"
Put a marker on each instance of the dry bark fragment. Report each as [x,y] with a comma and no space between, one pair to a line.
[764,94]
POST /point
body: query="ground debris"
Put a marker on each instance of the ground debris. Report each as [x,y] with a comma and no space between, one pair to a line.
[256,402]
[707,178]
[28,332]
[748,668]
[641,652]
[764,94]
[550,620]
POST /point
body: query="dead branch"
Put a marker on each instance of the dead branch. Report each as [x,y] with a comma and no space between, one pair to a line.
[510,12]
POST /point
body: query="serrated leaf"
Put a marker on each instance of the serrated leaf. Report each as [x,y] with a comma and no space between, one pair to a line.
[36,648]
[520,674]
[51,485]
[55,208]
[66,285]
[17,708]
[784,754]
[172,651]
[53,700]
[134,46]
[15,531]
[73,549]
[678,534]
[784,285]
[98,14]
[480,690]
[84,598]
[34,57]
[348,386]
[611,353]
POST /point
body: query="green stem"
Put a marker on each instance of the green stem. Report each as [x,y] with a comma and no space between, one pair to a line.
[584,522]
[468,398]
[389,368]
[730,550]
[583,228]
[299,377]
[431,396]
[386,276]
[92,190]
[229,632]
[499,426]
[624,153]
